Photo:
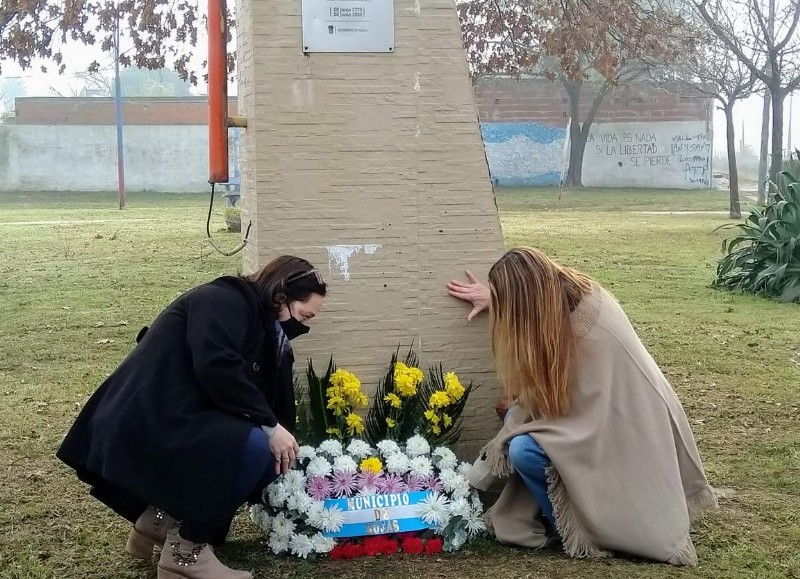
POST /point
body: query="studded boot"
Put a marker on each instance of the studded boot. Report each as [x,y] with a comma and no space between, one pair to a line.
[182,559]
[149,532]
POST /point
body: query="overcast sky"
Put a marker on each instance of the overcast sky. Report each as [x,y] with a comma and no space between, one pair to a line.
[747,113]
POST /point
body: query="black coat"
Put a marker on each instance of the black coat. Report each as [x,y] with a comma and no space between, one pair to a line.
[169,426]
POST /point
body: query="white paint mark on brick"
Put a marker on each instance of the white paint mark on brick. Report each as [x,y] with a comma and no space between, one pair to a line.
[302,93]
[416,82]
[339,256]
[416,6]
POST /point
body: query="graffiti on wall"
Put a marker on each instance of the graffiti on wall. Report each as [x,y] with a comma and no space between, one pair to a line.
[666,154]
[524,154]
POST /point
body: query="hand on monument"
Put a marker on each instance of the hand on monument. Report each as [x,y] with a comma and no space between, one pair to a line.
[472,291]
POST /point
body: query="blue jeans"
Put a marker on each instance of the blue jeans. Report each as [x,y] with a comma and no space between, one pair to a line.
[531,463]
[256,472]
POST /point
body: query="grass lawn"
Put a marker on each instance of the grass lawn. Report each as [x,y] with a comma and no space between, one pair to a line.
[79,277]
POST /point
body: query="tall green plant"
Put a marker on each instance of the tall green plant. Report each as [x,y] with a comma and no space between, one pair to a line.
[388,416]
[764,257]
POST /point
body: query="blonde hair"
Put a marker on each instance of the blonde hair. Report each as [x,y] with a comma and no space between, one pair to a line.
[532,341]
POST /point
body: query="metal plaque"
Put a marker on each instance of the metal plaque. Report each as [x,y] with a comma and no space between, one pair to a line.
[348,25]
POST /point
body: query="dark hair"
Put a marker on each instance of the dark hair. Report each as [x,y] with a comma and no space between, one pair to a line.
[287,279]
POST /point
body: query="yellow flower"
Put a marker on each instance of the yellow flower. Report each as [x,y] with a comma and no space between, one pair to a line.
[361,401]
[372,464]
[342,377]
[405,386]
[439,399]
[432,417]
[333,391]
[333,431]
[406,379]
[391,423]
[337,404]
[453,387]
[446,420]
[355,424]
[393,400]
[435,429]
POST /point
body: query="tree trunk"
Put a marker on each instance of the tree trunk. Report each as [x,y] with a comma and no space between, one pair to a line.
[735,210]
[764,153]
[776,163]
[576,147]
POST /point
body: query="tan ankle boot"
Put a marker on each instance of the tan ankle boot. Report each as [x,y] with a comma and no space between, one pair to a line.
[182,559]
[149,531]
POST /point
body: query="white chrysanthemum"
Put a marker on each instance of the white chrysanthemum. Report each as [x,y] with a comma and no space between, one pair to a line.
[322,544]
[417,446]
[277,493]
[331,447]
[278,544]
[332,519]
[460,508]
[282,526]
[463,468]
[454,483]
[314,514]
[344,464]
[255,512]
[359,449]
[388,447]
[306,453]
[367,491]
[318,467]
[443,458]
[301,545]
[299,501]
[295,481]
[434,509]
[397,463]
[421,466]
[475,522]
[475,499]
[261,518]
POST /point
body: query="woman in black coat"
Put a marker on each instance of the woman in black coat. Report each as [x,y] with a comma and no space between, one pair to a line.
[197,420]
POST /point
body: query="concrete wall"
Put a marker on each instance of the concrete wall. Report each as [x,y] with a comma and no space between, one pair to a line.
[524,126]
[84,158]
[372,166]
[525,154]
[102,111]
[666,154]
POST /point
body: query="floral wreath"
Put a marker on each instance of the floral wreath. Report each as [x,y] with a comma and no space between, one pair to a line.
[412,482]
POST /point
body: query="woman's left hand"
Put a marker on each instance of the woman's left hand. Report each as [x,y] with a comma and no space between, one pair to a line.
[284,449]
[471,291]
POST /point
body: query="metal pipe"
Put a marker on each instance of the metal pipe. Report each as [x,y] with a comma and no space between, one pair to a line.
[118,107]
[217,92]
[238,122]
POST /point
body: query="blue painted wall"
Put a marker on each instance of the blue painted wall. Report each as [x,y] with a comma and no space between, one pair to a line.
[524,153]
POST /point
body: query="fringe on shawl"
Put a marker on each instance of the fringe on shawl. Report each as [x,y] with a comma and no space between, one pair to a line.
[685,555]
[572,537]
[496,460]
[701,501]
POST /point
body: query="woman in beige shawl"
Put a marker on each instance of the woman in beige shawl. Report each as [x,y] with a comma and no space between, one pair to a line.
[596,440]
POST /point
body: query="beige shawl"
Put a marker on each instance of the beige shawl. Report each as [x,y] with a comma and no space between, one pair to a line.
[626,475]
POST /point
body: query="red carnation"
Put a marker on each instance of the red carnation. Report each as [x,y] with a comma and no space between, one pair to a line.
[373,546]
[433,546]
[390,547]
[413,545]
[337,552]
[353,550]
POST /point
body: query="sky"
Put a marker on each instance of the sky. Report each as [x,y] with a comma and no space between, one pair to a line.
[747,113]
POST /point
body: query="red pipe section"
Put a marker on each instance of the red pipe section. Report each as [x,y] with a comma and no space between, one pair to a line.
[217,92]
